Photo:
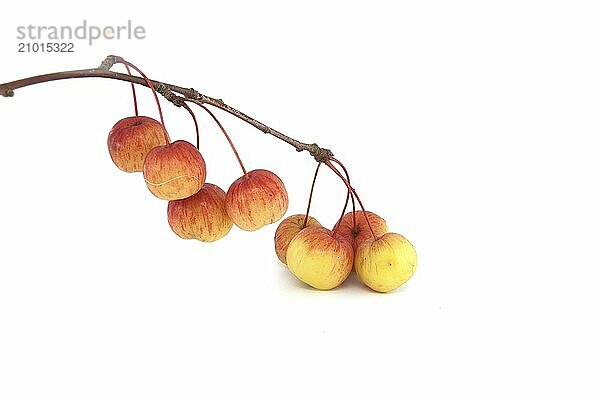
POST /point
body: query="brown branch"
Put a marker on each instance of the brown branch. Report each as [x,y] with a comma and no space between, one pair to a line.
[175,94]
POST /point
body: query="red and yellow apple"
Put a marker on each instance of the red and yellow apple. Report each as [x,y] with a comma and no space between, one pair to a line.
[130,140]
[319,259]
[287,229]
[359,233]
[256,199]
[174,171]
[386,263]
[201,216]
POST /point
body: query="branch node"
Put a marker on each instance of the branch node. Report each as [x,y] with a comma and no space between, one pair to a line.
[178,101]
[8,93]
[319,154]
[166,92]
[193,93]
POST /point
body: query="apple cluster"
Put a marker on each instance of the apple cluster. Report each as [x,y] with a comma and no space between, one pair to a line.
[176,172]
[320,257]
[360,240]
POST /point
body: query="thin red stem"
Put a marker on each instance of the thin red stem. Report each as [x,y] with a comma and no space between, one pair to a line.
[224,133]
[348,179]
[312,188]
[151,86]
[339,221]
[135,105]
[184,105]
[338,173]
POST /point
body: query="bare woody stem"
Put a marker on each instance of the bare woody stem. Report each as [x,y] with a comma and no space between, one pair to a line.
[169,92]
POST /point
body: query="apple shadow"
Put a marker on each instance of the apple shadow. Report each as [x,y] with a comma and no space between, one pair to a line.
[291,280]
[351,284]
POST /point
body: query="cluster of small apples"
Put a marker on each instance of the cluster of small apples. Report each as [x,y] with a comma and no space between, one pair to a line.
[320,257]
[176,172]
[324,258]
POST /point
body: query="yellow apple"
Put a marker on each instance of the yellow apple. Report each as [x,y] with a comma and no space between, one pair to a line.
[287,229]
[318,259]
[386,263]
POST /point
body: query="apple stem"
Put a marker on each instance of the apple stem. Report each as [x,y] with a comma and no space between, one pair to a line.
[224,133]
[348,179]
[184,105]
[312,188]
[339,221]
[135,104]
[151,86]
[350,188]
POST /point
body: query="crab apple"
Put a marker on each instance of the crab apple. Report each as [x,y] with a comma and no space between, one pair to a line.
[357,235]
[319,259]
[386,263]
[287,229]
[174,171]
[130,140]
[256,199]
[201,216]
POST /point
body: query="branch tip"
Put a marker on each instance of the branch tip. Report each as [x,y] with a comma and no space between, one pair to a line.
[108,63]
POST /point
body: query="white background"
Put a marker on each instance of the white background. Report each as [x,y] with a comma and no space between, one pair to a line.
[469,126]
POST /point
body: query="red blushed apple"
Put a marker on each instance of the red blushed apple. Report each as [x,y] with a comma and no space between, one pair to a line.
[287,229]
[319,259]
[201,216]
[174,171]
[357,235]
[256,199]
[130,140]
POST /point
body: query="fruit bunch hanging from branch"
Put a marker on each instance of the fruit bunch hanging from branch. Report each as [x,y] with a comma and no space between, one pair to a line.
[175,171]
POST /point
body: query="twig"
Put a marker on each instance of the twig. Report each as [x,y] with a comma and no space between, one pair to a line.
[169,92]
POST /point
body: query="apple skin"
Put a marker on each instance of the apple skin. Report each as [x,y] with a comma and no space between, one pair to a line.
[201,216]
[357,237]
[287,229]
[130,140]
[386,263]
[256,199]
[174,171]
[319,259]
